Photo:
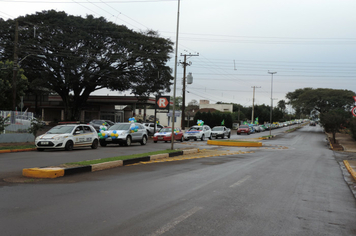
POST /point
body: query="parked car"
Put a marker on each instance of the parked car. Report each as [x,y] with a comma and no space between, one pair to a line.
[243,129]
[124,134]
[97,124]
[165,134]
[220,131]
[68,137]
[150,127]
[198,132]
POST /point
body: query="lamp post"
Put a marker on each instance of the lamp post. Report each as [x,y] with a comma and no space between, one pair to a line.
[270,119]
[175,77]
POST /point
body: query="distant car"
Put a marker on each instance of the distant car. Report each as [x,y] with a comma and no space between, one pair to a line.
[312,123]
[165,134]
[68,137]
[97,124]
[198,132]
[150,127]
[220,131]
[243,129]
[124,134]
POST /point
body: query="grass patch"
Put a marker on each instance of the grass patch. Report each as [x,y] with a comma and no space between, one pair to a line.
[108,159]
[17,147]
[267,136]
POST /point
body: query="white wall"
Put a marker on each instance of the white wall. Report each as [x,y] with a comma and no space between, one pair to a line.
[163,118]
[219,107]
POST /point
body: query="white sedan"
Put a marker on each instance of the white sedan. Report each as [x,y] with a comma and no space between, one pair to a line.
[68,137]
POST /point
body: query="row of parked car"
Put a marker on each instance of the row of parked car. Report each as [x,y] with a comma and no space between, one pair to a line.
[68,136]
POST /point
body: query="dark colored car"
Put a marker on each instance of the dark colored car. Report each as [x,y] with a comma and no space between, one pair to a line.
[99,123]
[243,129]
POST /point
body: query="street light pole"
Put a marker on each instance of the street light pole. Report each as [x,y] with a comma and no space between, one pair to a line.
[175,79]
[270,119]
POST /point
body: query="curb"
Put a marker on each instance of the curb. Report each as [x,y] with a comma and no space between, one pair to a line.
[351,171]
[17,150]
[235,144]
[55,172]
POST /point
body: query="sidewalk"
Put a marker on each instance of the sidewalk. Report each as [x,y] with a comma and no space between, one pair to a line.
[349,145]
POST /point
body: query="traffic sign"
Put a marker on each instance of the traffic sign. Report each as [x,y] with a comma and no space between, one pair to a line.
[162,103]
[353,111]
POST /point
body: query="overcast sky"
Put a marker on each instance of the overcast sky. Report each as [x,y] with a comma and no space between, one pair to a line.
[309,43]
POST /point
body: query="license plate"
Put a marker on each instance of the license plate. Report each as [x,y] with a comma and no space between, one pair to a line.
[108,139]
[242,131]
[160,137]
[44,143]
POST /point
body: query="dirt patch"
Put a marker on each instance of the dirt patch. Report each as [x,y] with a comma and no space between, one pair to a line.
[335,145]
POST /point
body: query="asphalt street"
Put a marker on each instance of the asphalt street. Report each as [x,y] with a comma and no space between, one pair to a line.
[11,164]
[291,186]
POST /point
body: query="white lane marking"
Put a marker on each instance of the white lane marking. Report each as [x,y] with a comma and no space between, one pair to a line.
[176,221]
[240,181]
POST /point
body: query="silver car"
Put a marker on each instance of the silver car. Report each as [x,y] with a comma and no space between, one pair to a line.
[124,134]
[198,132]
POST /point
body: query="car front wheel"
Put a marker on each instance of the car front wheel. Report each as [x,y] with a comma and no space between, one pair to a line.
[202,137]
[103,143]
[128,141]
[69,145]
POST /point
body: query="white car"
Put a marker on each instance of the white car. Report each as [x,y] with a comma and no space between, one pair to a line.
[198,132]
[67,137]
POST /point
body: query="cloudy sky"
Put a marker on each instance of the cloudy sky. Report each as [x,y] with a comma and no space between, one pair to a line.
[309,43]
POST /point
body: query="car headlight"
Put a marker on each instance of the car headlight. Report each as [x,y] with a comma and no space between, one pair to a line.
[58,138]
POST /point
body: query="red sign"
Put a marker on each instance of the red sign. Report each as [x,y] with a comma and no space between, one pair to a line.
[354,98]
[162,103]
[353,111]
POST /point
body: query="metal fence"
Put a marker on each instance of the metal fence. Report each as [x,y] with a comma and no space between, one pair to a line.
[18,122]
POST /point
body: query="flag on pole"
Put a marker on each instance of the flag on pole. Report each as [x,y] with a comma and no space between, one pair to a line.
[223,122]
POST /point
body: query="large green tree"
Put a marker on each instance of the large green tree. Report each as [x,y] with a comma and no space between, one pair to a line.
[81,55]
[321,100]
[6,84]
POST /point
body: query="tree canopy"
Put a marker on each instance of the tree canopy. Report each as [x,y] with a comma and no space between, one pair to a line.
[321,99]
[74,56]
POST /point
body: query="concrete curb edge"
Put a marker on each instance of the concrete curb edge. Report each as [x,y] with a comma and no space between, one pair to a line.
[55,172]
[351,171]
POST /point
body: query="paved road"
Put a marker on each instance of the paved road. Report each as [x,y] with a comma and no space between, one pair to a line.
[293,186]
[11,164]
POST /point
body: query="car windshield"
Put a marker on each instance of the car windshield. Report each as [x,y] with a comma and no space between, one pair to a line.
[121,126]
[244,126]
[218,129]
[109,122]
[165,130]
[61,129]
[195,128]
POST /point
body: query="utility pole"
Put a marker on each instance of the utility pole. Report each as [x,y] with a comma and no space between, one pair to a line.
[15,68]
[185,64]
[270,114]
[253,103]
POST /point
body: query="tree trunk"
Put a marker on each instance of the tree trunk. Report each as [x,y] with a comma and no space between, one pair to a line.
[334,137]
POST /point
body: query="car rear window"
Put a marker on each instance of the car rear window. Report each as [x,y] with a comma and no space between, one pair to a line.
[244,126]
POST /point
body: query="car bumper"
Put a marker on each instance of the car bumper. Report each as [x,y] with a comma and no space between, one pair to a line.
[50,144]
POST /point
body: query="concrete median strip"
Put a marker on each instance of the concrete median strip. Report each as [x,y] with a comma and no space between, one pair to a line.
[55,172]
